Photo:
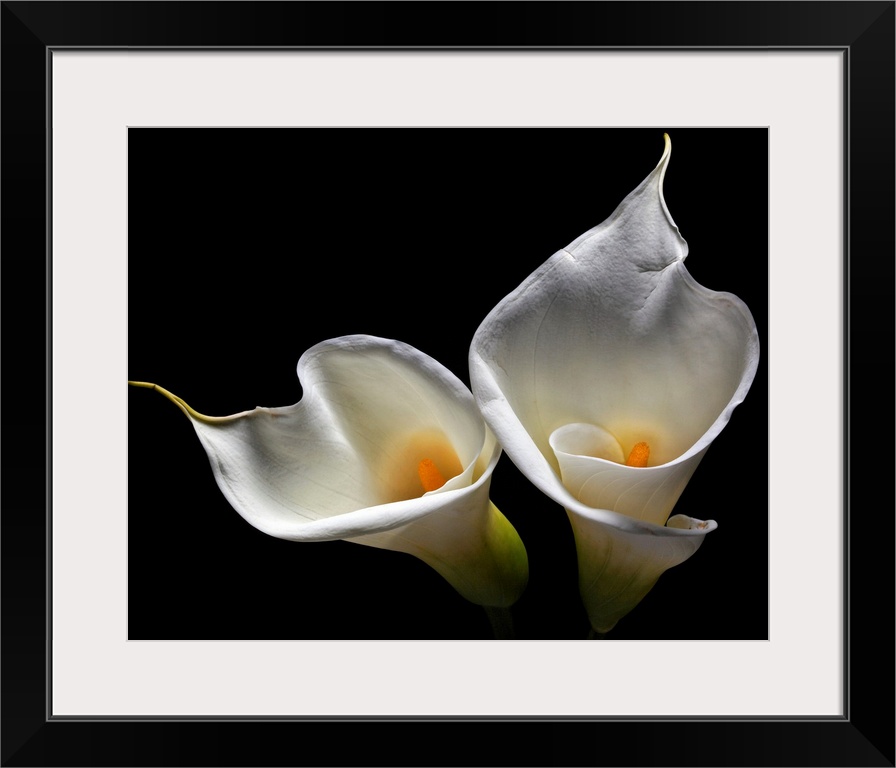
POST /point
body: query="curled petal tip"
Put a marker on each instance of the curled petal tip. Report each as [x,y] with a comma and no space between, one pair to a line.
[685,523]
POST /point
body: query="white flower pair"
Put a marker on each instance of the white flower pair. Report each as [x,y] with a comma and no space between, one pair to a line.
[605,376]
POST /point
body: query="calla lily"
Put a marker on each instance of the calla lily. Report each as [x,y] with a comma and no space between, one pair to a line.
[387,449]
[606,375]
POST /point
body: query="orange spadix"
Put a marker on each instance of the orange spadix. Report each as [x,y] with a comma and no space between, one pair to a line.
[639,455]
[430,477]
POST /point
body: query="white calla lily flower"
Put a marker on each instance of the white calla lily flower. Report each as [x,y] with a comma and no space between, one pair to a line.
[386,448]
[606,375]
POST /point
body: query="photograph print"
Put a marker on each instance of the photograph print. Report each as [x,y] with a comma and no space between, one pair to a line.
[448,384]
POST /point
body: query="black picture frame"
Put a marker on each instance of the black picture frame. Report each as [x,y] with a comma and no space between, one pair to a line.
[863,31]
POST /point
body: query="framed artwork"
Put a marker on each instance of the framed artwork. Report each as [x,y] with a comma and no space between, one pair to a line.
[291,173]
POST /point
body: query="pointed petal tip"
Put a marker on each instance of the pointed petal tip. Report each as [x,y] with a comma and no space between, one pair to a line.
[664,158]
[667,148]
[179,402]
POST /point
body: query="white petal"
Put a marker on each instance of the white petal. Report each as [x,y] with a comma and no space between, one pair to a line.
[609,343]
[617,567]
[593,470]
[342,464]
[613,331]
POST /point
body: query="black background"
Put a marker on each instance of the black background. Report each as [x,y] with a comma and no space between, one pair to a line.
[247,246]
